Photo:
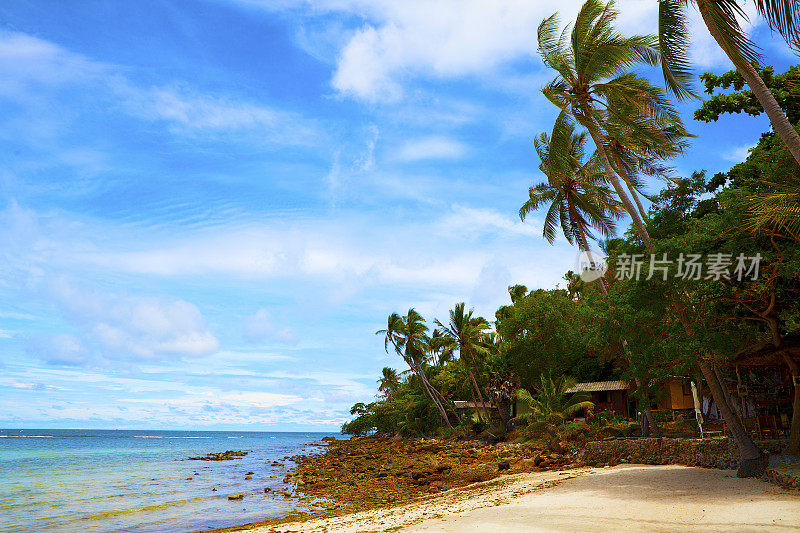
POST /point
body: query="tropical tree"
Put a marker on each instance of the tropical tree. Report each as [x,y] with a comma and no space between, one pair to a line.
[408,335]
[466,331]
[441,347]
[595,87]
[553,404]
[575,190]
[389,381]
[722,18]
[633,154]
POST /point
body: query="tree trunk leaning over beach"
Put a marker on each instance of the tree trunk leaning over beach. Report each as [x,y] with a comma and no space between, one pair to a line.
[794,429]
[754,462]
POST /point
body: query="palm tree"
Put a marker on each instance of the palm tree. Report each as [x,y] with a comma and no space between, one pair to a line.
[722,17]
[553,404]
[592,61]
[441,347]
[779,212]
[389,381]
[408,335]
[575,189]
[467,332]
[643,152]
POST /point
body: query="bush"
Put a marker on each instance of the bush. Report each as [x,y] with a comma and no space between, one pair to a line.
[603,419]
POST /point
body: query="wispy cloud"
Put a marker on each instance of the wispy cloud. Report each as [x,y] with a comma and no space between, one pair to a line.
[434,147]
[739,153]
[37,69]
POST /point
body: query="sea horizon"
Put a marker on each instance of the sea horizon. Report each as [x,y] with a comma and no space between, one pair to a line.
[143,481]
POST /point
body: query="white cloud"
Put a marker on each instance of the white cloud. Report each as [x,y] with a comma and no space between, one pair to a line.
[401,41]
[433,147]
[36,69]
[261,326]
[739,153]
[480,221]
[145,328]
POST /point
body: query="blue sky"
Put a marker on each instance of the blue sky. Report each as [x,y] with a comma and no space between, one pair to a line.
[209,207]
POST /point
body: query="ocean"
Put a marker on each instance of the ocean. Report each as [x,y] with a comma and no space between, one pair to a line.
[96,481]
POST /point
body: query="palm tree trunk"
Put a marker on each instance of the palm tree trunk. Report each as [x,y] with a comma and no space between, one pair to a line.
[480,399]
[585,245]
[754,462]
[612,176]
[794,428]
[776,115]
[429,388]
[629,183]
[444,401]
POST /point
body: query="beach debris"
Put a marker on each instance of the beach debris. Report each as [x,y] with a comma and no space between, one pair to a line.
[267,490]
[236,497]
[249,473]
[247,478]
[228,455]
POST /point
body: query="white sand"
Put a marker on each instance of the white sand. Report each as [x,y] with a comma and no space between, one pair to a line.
[622,498]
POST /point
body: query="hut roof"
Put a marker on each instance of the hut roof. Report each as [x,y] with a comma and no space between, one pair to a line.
[595,386]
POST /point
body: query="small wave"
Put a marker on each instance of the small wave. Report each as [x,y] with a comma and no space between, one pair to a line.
[26,436]
[166,437]
[155,507]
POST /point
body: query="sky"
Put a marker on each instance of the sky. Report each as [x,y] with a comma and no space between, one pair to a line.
[209,207]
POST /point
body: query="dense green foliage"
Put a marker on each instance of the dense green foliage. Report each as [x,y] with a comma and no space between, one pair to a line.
[653,315]
[784,87]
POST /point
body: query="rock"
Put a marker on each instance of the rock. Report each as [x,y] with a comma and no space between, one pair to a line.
[286,494]
[267,490]
[503,465]
[228,455]
[236,497]
[188,479]
[249,473]
[248,478]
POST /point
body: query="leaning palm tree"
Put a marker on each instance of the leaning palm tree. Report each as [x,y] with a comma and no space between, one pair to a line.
[441,347]
[467,332]
[593,61]
[637,153]
[722,18]
[575,190]
[408,335]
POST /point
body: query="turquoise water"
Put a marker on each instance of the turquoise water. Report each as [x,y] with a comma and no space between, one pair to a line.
[98,481]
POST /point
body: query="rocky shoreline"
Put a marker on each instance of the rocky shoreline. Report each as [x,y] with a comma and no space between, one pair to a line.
[367,473]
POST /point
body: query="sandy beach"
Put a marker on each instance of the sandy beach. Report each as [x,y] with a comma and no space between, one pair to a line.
[620,498]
